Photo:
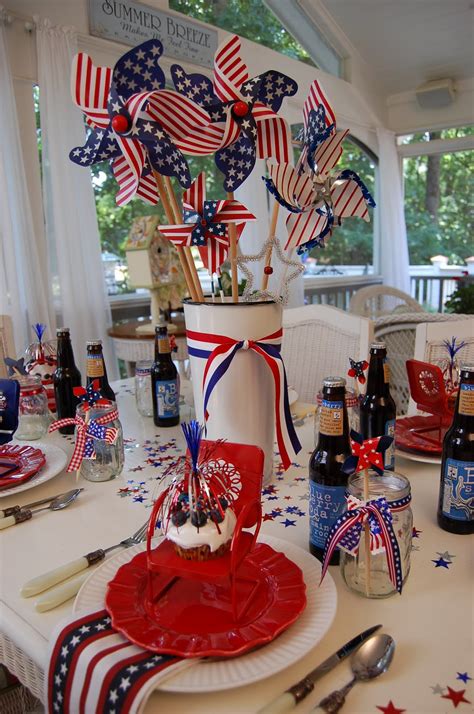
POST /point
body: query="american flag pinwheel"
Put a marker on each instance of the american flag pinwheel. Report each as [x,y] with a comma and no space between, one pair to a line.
[206,224]
[134,121]
[315,194]
[243,112]
[367,454]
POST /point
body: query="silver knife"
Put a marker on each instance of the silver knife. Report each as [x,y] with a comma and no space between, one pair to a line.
[299,691]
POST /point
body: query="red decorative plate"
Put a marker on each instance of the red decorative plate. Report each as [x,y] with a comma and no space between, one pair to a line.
[420,433]
[194,618]
[28,460]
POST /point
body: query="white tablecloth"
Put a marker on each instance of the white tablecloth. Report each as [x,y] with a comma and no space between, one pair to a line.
[431,622]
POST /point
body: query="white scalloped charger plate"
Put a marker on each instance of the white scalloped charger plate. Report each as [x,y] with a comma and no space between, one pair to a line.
[56,460]
[290,646]
[418,457]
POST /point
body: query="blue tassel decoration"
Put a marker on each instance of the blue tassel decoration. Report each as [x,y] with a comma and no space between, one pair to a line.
[193,435]
[39,330]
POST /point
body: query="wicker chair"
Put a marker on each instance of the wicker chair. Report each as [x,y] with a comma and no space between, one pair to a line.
[318,341]
[399,332]
[376,300]
[7,343]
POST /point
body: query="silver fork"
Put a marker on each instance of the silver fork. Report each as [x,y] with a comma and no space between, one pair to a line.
[64,591]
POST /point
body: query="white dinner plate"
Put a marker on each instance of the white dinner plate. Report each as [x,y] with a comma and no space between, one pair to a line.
[56,460]
[292,395]
[420,458]
[299,639]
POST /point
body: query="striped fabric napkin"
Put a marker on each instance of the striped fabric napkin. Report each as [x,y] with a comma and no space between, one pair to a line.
[93,669]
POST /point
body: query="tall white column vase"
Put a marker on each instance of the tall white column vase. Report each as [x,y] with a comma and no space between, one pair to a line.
[227,345]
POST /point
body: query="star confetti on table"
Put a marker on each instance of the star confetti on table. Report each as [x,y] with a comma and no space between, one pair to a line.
[287,523]
[463,676]
[391,709]
[446,556]
[456,696]
[416,532]
[438,689]
[441,563]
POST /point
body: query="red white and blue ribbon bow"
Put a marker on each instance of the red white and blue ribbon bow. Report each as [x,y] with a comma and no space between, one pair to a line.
[346,532]
[134,119]
[86,433]
[313,193]
[367,454]
[206,224]
[357,369]
[219,351]
[243,113]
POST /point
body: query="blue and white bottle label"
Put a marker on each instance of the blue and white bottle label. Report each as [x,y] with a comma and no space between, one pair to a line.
[389,457]
[167,398]
[458,490]
[326,504]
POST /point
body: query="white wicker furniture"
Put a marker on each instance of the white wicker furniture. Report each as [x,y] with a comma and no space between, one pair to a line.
[429,343]
[7,343]
[398,331]
[317,342]
[376,300]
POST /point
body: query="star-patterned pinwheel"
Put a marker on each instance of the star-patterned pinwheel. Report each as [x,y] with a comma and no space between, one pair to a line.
[134,121]
[357,369]
[314,193]
[206,224]
[90,396]
[243,112]
[366,454]
[15,366]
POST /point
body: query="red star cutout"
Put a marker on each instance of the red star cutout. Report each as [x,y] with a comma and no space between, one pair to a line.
[391,709]
[267,517]
[456,696]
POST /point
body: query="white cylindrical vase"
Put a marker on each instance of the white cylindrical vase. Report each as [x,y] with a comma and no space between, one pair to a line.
[241,408]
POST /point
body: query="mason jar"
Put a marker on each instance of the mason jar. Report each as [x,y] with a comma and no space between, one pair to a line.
[143,395]
[352,404]
[396,490]
[109,458]
[33,413]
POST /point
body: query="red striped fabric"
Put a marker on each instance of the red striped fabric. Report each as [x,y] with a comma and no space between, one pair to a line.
[90,87]
[316,97]
[348,200]
[329,152]
[303,227]
[230,71]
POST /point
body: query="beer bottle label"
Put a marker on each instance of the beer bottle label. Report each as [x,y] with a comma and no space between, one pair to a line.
[331,419]
[164,346]
[458,490]
[389,457]
[167,398]
[326,504]
[466,399]
[95,366]
[386,372]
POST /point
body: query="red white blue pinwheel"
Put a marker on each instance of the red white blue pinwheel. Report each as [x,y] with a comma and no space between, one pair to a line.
[206,224]
[90,395]
[314,193]
[367,454]
[357,369]
[243,112]
[134,120]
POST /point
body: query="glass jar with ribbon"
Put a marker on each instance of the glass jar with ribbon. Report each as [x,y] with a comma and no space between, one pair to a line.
[99,451]
[374,534]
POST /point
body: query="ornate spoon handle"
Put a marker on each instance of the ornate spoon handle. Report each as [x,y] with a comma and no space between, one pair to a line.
[335,701]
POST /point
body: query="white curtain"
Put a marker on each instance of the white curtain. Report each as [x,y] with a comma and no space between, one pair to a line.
[24,293]
[254,195]
[394,259]
[70,215]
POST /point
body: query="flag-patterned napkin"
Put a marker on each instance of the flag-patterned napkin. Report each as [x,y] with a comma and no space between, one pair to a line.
[93,669]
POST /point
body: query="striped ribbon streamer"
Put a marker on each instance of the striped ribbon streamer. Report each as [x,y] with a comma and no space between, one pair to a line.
[219,351]
[86,432]
[346,533]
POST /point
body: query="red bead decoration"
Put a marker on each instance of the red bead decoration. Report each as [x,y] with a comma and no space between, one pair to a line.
[120,123]
[240,109]
[268,270]
[203,222]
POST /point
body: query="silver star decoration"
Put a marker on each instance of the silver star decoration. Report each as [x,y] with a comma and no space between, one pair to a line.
[446,556]
[257,295]
[437,689]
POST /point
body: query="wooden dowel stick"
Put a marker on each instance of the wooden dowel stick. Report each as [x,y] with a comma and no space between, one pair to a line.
[233,255]
[367,537]
[271,235]
[170,217]
[187,251]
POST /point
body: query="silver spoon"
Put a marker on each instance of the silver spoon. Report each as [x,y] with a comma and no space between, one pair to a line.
[370,660]
[60,502]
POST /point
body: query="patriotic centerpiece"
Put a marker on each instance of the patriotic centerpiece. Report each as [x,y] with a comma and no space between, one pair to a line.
[41,362]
